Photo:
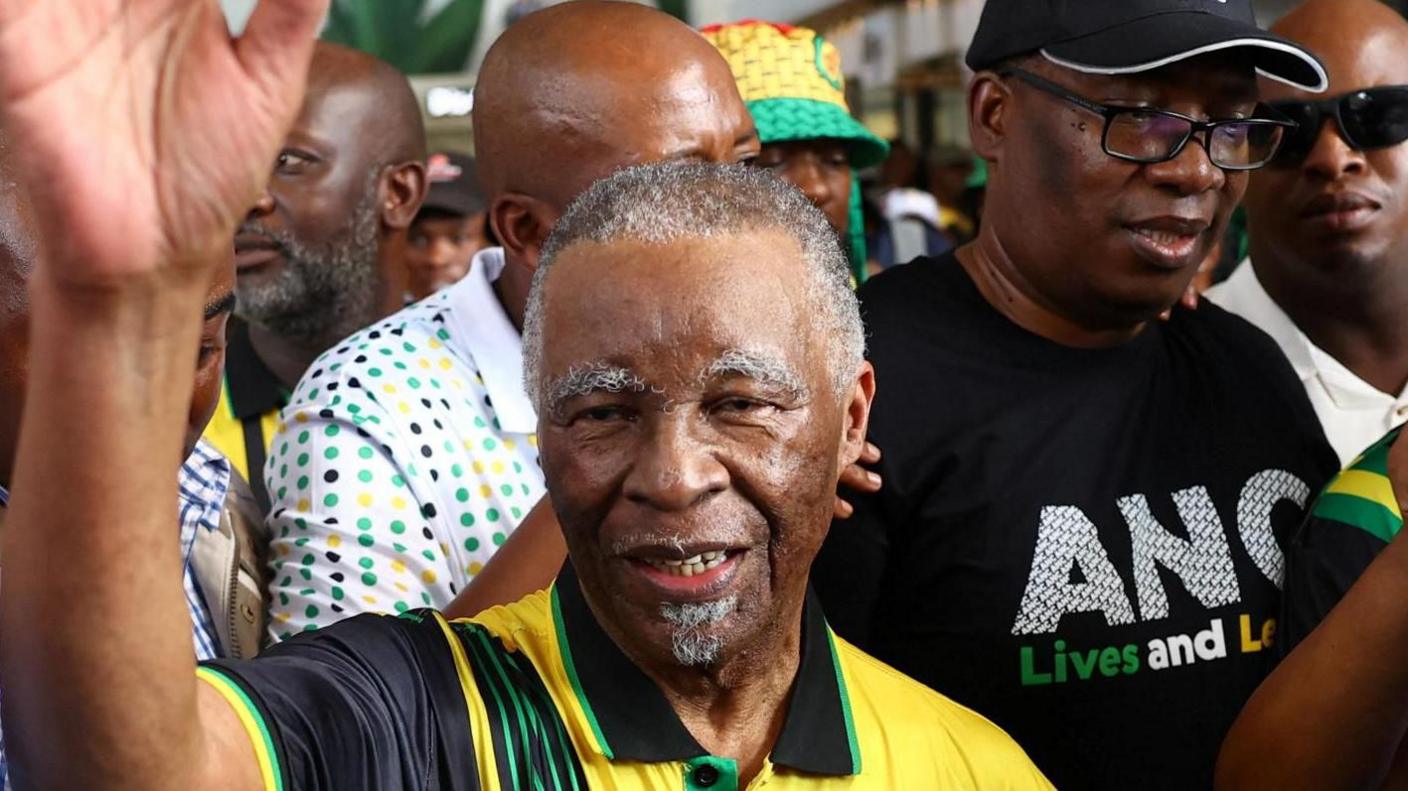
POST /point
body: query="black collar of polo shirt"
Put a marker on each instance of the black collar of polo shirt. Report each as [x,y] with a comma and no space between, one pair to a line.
[254,389]
[634,721]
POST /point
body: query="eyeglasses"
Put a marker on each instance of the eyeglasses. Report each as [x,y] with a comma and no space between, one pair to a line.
[1368,119]
[1148,136]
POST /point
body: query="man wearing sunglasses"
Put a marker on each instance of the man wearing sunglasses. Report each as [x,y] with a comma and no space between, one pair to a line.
[1078,533]
[1335,228]
[1328,222]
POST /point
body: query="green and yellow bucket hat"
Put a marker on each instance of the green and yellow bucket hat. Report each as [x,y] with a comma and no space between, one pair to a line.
[791,80]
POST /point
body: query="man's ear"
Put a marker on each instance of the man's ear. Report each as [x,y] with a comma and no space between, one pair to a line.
[403,189]
[857,408]
[989,101]
[522,224]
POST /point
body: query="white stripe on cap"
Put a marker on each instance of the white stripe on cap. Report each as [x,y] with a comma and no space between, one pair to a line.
[1261,43]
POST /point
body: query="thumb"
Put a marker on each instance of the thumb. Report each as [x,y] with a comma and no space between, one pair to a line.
[277,42]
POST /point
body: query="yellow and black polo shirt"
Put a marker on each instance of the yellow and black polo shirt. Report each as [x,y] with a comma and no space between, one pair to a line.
[247,416]
[536,696]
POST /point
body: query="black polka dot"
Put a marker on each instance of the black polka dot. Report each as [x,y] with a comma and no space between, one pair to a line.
[330,476]
[425,402]
[428,511]
[452,589]
[326,414]
[353,382]
[332,386]
[332,520]
[344,350]
[374,334]
[429,536]
[361,432]
[438,424]
[316,374]
[361,358]
[334,557]
[415,428]
[337,576]
[434,475]
[335,607]
[425,451]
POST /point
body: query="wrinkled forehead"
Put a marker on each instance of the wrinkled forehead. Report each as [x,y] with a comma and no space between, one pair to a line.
[670,309]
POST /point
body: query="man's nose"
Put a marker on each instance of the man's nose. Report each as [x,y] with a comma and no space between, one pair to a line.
[1191,172]
[675,469]
[1332,157]
[264,206]
[810,178]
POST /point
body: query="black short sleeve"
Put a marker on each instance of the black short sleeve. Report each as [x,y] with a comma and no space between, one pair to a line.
[373,702]
[1325,558]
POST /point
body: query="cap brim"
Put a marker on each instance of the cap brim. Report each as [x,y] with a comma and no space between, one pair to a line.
[784,120]
[1157,41]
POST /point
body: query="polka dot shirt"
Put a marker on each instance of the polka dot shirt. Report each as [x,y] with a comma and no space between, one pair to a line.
[404,459]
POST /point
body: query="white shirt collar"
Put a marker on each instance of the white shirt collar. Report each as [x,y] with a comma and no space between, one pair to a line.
[1243,294]
[492,342]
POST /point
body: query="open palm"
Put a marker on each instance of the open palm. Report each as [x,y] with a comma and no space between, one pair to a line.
[142,128]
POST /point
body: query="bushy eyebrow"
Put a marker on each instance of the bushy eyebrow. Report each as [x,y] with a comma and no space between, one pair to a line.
[765,369]
[582,380]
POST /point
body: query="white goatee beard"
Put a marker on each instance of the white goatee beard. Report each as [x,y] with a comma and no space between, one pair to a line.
[693,646]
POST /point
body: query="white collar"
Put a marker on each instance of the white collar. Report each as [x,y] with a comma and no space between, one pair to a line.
[1244,295]
[491,341]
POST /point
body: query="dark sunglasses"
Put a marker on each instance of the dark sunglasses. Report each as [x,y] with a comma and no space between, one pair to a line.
[1368,119]
[1148,136]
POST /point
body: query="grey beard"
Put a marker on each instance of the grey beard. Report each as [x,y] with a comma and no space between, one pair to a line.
[692,645]
[323,293]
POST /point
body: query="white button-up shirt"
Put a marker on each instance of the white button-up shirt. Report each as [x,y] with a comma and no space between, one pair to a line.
[404,459]
[1353,412]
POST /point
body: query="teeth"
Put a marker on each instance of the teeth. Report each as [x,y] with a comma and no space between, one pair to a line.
[690,566]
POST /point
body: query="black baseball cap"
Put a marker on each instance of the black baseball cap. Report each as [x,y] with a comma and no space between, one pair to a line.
[454,185]
[1133,36]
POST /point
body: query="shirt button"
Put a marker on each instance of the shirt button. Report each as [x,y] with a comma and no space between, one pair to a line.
[705,776]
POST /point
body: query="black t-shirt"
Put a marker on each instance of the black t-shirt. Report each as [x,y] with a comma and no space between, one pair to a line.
[1083,545]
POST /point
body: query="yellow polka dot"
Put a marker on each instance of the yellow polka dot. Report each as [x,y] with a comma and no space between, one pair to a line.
[404,407]
[303,505]
[428,577]
[283,427]
[283,549]
[457,384]
[369,599]
[445,363]
[424,363]
[282,617]
[301,417]
[398,503]
[477,465]
[468,445]
[398,566]
[510,444]
[498,468]
[485,491]
[444,549]
[334,541]
[401,586]
[390,389]
[533,440]
[364,500]
[475,567]
[434,343]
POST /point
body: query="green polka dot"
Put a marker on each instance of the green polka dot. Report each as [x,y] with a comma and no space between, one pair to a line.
[400,366]
[365,453]
[507,490]
[364,524]
[374,371]
[365,563]
[366,540]
[311,612]
[479,422]
[425,597]
[462,494]
[330,454]
[368,579]
[283,599]
[489,444]
[398,481]
[301,523]
[303,460]
[365,476]
[401,606]
[283,448]
[398,527]
[308,559]
[302,542]
[516,511]
[283,492]
[399,547]
[354,409]
[499,539]
[337,593]
[332,431]
[467,519]
[471,544]
[456,470]
[312,627]
[306,574]
[408,346]
[524,487]
[517,467]
[313,394]
[492,514]
[330,501]
[414,383]
[303,437]
[442,335]
[428,555]
[302,482]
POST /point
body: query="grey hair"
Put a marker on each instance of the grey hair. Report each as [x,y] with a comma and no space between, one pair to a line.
[664,202]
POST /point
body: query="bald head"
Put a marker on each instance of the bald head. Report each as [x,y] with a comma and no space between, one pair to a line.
[1362,43]
[389,113]
[577,90]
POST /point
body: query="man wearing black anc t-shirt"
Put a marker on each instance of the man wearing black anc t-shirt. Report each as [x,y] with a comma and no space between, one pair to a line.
[1080,529]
